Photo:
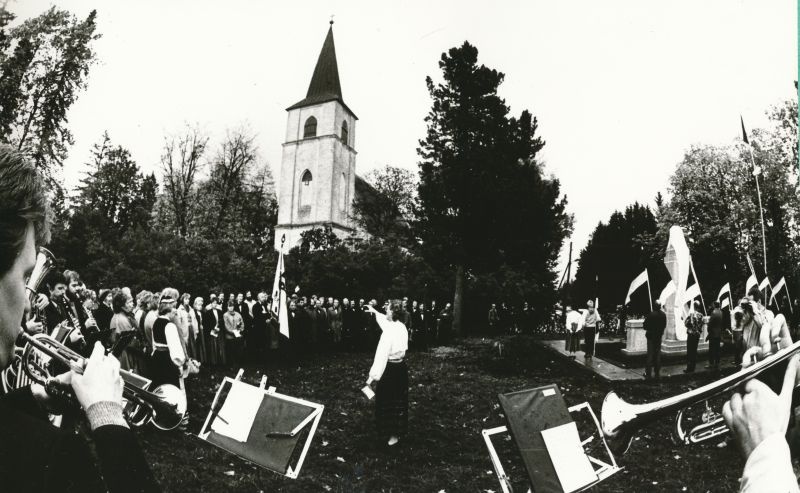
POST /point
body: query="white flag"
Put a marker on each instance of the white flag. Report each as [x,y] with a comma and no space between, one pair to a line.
[279,297]
[725,302]
[666,292]
[636,284]
[725,289]
[691,293]
[781,284]
[764,284]
[750,284]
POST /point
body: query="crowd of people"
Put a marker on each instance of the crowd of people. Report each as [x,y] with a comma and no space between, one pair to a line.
[169,333]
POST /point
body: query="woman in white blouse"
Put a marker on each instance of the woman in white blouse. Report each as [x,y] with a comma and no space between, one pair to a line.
[390,371]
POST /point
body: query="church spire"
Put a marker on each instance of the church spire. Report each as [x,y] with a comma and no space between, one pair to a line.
[325,85]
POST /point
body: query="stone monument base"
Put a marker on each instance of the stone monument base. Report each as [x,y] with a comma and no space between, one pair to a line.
[636,342]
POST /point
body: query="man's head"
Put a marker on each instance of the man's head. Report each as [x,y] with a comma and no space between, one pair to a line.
[336,303]
[345,302]
[330,300]
[239,298]
[716,304]
[262,297]
[73,282]
[754,295]
[231,306]
[24,224]
[414,305]
[373,302]
[590,305]
[249,296]
[320,301]
[292,305]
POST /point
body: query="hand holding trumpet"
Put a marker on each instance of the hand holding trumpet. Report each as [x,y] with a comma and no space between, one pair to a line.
[756,412]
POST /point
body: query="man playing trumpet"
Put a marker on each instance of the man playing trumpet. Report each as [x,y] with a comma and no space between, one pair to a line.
[34,455]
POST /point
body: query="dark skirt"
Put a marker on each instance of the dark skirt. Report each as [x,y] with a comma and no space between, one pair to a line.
[163,370]
[573,343]
[391,401]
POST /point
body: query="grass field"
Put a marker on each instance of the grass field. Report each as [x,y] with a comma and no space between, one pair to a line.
[452,398]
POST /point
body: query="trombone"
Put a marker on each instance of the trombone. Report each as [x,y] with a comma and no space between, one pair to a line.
[165,406]
[620,420]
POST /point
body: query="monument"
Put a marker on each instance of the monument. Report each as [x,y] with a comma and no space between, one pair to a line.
[679,264]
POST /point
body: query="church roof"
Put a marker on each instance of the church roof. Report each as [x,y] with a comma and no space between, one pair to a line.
[325,85]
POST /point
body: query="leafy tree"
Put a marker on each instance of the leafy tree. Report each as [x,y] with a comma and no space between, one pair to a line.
[40,79]
[386,210]
[484,201]
[181,161]
[615,254]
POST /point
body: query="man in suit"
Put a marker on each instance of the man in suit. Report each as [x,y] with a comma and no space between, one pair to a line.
[654,325]
[322,322]
[258,327]
[419,318]
[34,455]
[714,337]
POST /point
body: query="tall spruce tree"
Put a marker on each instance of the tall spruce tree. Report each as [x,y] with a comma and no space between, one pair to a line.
[484,202]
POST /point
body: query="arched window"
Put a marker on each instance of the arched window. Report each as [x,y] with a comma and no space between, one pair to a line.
[310,128]
[344,132]
[305,189]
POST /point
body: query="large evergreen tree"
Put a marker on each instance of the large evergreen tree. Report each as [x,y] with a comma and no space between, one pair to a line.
[484,203]
[41,76]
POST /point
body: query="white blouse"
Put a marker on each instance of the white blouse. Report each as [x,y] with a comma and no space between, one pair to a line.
[392,345]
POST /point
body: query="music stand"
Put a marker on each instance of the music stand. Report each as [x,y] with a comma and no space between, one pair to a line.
[280,423]
[541,425]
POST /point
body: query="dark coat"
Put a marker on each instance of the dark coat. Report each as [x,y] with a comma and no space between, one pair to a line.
[715,323]
[654,324]
[38,457]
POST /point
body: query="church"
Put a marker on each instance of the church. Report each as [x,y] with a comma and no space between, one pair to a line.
[318,181]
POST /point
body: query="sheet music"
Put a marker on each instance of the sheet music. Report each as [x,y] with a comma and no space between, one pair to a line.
[569,460]
[236,417]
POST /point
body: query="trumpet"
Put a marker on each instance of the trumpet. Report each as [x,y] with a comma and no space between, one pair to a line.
[165,406]
[620,420]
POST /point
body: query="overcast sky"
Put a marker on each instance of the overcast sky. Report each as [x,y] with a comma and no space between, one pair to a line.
[620,88]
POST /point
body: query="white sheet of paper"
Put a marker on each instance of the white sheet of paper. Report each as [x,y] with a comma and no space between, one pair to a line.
[368,391]
[569,460]
[238,413]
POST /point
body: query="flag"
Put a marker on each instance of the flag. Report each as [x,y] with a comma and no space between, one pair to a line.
[744,132]
[764,284]
[781,284]
[750,264]
[725,302]
[279,297]
[750,284]
[636,284]
[666,292]
[691,293]
[725,289]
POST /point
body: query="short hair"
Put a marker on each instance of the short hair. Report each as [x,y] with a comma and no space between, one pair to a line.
[716,304]
[119,301]
[72,276]
[395,306]
[755,293]
[54,278]
[22,202]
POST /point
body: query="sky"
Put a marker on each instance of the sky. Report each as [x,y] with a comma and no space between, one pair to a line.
[620,88]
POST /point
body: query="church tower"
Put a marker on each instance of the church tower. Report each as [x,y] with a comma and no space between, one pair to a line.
[317,182]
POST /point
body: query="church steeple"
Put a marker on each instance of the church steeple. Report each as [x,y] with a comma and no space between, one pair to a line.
[325,85]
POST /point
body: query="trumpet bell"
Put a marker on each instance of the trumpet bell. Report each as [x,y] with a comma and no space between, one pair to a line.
[615,414]
[169,409]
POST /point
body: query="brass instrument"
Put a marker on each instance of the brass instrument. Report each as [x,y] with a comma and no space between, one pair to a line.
[621,420]
[165,406]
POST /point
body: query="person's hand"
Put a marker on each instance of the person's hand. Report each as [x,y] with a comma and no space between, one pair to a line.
[100,380]
[53,404]
[757,412]
[41,302]
[369,381]
[33,326]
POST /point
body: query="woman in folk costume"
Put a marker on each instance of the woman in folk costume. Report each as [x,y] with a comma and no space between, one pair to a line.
[168,355]
[390,371]
[196,315]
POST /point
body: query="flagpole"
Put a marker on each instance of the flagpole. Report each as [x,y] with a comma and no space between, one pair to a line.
[758,191]
[786,287]
[649,294]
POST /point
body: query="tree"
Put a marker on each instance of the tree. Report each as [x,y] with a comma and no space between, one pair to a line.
[714,199]
[615,254]
[234,159]
[181,160]
[115,190]
[40,79]
[386,210]
[484,202]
